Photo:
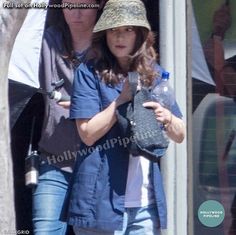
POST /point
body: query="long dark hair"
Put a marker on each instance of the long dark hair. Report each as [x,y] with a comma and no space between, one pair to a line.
[142,60]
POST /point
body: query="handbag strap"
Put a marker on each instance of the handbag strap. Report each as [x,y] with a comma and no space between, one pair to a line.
[133,82]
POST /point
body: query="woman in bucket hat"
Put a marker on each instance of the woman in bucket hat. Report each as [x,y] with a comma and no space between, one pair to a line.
[113,192]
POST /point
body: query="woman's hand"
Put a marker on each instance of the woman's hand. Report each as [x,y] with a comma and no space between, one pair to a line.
[64,104]
[125,94]
[162,114]
[174,126]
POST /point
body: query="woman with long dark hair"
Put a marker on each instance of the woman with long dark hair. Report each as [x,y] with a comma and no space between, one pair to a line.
[113,191]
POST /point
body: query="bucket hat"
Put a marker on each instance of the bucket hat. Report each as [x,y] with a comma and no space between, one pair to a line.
[117,13]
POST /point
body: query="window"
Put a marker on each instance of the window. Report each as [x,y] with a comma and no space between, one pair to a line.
[214,110]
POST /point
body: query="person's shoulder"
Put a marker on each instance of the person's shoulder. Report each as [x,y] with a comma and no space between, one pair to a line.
[86,66]
[87,69]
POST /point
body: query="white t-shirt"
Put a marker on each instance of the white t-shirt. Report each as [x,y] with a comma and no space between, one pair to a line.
[24,61]
[139,189]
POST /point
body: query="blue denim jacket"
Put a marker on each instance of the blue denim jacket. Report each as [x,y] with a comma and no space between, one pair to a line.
[100,175]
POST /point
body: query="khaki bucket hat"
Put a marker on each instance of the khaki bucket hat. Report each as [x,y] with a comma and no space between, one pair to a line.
[117,13]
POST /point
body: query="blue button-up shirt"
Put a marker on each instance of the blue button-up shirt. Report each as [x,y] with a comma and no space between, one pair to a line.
[100,175]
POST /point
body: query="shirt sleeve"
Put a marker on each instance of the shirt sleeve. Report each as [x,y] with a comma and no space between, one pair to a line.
[85,100]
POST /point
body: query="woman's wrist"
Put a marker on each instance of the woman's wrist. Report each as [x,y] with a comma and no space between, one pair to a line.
[168,123]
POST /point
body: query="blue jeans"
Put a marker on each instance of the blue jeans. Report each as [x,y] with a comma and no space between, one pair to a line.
[48,201]
[137,221]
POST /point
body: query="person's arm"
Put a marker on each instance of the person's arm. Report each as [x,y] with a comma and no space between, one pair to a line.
[48,72]
[214,53]
[64,104]
[174,126]
[213,48]
[91,130]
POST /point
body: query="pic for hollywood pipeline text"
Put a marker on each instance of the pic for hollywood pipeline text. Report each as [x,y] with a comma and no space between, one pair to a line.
[45,5]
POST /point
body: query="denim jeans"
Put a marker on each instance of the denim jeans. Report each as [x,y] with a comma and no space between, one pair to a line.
[48,201]
[137,221]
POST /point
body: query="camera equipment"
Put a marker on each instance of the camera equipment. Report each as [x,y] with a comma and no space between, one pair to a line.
[55,94]
[31,162]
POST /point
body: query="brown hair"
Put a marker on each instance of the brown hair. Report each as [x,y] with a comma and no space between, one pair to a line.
[142,60]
